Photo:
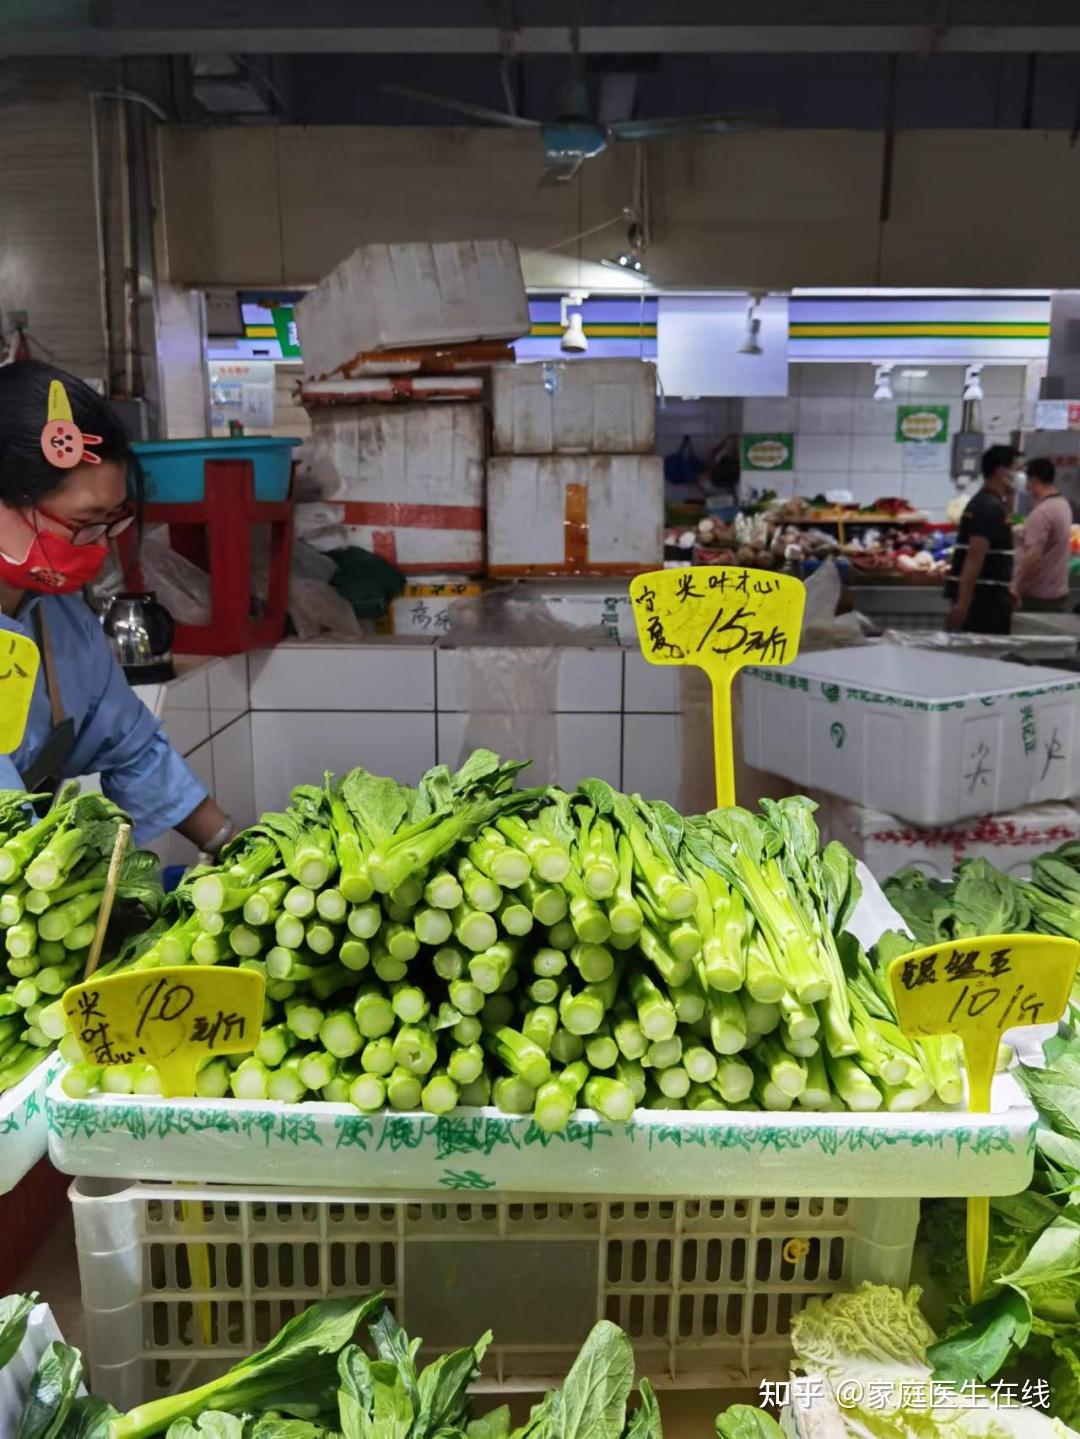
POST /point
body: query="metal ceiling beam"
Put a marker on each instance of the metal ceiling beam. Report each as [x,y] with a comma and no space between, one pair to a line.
[25,39]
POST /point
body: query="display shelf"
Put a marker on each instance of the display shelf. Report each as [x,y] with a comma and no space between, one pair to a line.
[843,518]
[22,1123]
[674,1154]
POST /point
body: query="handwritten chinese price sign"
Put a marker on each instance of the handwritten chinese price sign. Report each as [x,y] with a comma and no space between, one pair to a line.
[977,989]
[720,618]
[18,671]
[170,1018]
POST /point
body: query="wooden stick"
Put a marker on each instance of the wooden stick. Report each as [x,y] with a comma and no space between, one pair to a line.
[123,836]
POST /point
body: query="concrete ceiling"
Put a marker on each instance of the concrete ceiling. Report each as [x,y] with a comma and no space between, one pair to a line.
[536,27]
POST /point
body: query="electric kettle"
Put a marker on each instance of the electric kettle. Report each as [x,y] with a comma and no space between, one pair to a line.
[140,632]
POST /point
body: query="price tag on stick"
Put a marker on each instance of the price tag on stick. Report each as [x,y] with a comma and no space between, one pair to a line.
[720,618]
[976,989]
[171,1018]
[19,661]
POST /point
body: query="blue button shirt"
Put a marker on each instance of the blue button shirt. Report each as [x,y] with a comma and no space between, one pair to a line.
[115,734]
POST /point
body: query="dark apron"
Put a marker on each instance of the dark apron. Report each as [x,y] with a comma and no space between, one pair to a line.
[43,774]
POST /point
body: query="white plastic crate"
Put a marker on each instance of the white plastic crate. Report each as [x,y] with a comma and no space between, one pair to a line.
[930,736]
[886,844]
[574,407]
[23,1140]
[179,1282]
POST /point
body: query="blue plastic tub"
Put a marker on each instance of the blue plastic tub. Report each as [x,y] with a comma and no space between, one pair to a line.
[174,468]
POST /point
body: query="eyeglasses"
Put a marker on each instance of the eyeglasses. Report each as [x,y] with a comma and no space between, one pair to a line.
[91,534]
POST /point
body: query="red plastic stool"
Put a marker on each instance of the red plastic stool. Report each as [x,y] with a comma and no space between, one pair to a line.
[215,534]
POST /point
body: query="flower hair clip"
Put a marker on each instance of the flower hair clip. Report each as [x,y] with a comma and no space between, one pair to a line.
[62,442]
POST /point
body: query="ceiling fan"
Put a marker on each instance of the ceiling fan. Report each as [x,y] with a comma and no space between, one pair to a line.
[575,135]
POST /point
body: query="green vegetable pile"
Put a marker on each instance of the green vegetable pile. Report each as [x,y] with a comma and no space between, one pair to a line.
[468,942]
[52,875]
[980,899]
[313,1381]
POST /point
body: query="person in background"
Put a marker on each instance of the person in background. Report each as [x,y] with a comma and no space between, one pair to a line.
[982,561]
[1041,581]
[63,496]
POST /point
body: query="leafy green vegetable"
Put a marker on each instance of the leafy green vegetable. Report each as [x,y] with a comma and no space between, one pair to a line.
[745,1421]
[14,1312]
[53,1389]
[997,1328]
[294,1373]
[213,1424]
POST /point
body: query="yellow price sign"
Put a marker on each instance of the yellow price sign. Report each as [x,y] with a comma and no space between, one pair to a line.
[976,989]
[171,1018]
[19,661]
[720,618]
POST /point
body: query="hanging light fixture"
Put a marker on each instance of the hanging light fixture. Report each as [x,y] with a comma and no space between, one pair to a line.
[883,389]
[751,344]
[574,339]
[630,261]
[973,389]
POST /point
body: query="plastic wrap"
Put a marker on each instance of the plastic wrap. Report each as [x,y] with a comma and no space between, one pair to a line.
[510,651]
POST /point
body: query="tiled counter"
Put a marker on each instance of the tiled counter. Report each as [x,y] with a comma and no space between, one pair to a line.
[254,725]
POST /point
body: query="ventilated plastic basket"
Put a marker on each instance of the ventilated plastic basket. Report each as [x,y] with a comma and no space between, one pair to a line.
[179,1282]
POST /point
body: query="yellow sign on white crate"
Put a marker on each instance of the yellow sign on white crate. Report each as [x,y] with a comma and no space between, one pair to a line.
[720,618]
[172,1018]
[977,989]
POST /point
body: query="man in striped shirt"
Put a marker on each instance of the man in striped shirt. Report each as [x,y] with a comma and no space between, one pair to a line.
[982,561]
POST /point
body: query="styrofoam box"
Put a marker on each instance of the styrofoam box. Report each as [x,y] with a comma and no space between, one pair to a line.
[179,1282]
[22,1122]
[529,515]
[928,736]
[385,296]
[410,479]
[575,407]
[886,844]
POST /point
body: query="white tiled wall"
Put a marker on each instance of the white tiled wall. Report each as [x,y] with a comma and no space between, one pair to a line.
[253,726]
[845,439]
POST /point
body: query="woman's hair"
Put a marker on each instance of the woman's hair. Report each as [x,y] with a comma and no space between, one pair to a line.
[26,476]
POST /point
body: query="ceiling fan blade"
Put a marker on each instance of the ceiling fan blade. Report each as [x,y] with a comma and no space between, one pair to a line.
[560,168]
[462,107]
[691,125]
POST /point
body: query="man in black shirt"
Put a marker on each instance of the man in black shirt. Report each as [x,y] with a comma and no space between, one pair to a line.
[982,562]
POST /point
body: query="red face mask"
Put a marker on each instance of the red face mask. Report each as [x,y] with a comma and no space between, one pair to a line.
[53,564]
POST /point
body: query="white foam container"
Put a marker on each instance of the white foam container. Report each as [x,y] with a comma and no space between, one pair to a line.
[675,1154]
[409,480]
[389,296]
[886,844]
[23,1140]
[178,1282]
[532,521]
[931,737]
[574,407]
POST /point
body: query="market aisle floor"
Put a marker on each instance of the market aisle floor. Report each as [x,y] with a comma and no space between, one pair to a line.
[53,1272]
